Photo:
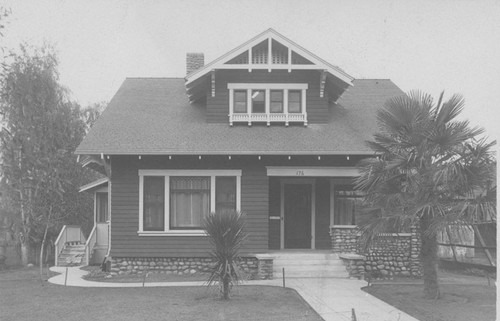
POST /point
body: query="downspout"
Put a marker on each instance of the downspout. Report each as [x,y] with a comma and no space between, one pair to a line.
[107,168]
[109,218]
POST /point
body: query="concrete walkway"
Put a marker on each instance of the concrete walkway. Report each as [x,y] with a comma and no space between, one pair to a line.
[332,298]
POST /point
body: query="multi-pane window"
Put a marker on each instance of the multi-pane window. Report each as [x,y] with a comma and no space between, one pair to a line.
[177,201]
[346,205]
[294,101]
[189,201]
[276,101]
[258,101]
[240,101]
[154,203]
[271,102]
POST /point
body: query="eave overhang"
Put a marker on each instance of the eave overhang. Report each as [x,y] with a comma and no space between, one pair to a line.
[228,152]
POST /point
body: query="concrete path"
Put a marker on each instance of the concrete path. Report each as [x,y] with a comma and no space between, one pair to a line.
[332,298]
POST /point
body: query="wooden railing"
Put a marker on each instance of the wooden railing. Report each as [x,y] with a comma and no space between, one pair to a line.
[69,233]
[89,245]
[268,118]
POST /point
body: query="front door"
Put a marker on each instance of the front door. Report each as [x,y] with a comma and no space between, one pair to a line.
[297,212]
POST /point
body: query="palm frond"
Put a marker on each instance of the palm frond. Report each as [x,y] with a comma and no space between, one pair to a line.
[449,110]
[430,166]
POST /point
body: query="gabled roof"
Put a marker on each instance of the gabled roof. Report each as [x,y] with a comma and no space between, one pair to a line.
[270,34]
[152,116]
[308,61]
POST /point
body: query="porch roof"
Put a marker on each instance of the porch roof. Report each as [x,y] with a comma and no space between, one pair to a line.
[152,116]
[92,186]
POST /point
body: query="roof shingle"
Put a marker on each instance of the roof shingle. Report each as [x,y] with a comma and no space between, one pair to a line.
[152,116]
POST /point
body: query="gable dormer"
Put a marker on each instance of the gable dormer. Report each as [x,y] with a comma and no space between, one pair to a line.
[268,79]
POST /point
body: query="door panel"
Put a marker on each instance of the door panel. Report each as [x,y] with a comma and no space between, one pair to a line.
[297,211]
[102,234]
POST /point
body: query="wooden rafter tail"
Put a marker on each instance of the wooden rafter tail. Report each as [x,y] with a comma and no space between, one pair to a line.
[322,82]
[213,82]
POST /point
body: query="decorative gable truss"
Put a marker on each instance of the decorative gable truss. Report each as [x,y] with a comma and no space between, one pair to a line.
[267,51]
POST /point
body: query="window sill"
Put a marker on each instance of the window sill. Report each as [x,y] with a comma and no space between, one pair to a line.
[173,233]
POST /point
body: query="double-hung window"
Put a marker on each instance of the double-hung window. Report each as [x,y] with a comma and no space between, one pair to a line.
[294,101]
[175,202]
[258,101]
[276,101]
[240,101]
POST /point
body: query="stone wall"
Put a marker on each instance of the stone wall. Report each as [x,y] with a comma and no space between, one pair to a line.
[354,264]
[390,255]
[251,267]
[345,239]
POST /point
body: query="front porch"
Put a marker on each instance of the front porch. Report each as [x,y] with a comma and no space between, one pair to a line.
[304,207]
[72,247]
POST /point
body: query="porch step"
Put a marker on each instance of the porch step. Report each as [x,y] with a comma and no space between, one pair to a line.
[71,255]
[308,264]
[310,274]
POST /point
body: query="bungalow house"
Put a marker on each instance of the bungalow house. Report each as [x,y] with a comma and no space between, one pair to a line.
[268,128]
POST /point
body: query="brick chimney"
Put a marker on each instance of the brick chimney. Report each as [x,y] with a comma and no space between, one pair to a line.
[194,61]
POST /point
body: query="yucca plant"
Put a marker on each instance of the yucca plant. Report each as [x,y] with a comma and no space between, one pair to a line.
[226,233]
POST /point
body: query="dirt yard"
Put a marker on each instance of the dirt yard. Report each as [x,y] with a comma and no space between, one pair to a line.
[464,298]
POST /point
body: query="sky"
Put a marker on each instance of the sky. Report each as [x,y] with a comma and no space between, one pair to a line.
[426,45]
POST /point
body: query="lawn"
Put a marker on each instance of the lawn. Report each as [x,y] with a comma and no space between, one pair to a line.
[24,297]
[464,301]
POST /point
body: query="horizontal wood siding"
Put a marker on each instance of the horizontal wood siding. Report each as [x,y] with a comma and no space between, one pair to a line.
[274,210]
[255,203]
[125,241]
[323,240]
[218,106]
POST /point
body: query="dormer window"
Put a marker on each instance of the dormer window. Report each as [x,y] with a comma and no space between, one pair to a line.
[240,101]
[255,102]
[276,101]
[259,101]
[294,101]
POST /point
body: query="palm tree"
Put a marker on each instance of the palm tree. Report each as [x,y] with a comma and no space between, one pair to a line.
[226,233]
[431,171]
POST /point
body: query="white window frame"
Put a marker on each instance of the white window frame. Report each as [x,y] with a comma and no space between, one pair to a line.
[268,117]
[195,172]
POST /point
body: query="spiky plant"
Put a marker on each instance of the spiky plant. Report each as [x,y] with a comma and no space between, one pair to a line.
[431,171]
[226,233]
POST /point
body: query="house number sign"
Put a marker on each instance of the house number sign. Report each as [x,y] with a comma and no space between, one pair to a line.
[299,173]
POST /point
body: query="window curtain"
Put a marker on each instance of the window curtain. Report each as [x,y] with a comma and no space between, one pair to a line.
[225,197]
[189,201]
[154,203]
[346,204]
